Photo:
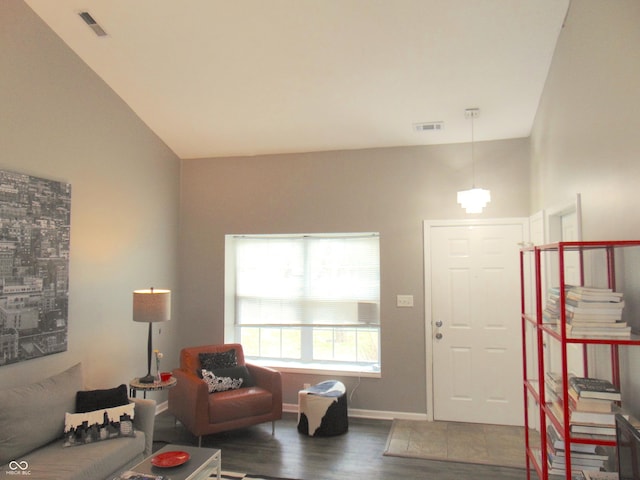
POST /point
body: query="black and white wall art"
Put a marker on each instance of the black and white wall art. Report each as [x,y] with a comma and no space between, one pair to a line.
[34,266]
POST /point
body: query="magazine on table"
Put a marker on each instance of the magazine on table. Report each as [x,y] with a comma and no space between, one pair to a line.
[131,475]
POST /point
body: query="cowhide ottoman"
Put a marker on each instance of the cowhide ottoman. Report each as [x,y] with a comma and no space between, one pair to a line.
[322,409]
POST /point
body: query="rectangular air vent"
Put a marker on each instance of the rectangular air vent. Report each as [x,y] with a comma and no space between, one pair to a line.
[428,126]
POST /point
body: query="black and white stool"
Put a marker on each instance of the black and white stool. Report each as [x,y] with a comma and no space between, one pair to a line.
[322,409]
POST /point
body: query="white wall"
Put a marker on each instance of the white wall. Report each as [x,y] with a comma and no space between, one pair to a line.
[58,120]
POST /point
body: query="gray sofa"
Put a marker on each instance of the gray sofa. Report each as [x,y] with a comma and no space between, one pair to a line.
[32,421]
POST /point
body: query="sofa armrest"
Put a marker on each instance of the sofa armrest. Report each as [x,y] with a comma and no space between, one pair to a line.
[144,420]
[189,400]
[269,379]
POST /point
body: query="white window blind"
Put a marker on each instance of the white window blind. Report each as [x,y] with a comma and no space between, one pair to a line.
[308,298]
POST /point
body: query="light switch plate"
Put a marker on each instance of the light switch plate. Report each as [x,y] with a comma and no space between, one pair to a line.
[404,300]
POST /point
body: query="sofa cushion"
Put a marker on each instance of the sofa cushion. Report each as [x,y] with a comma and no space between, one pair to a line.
[89,462]
[104,424]
[91,400]
[33,415]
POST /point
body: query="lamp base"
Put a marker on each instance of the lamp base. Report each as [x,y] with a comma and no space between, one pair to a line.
[147,379]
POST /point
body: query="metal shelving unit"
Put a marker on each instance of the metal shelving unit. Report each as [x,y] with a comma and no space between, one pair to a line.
[540,262]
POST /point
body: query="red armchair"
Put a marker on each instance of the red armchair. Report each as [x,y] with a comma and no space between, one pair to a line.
[204,413]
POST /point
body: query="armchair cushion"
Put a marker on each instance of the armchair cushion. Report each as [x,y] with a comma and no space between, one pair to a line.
[237,404]
[214,360]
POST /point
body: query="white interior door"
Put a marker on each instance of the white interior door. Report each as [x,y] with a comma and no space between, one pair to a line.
[473,288]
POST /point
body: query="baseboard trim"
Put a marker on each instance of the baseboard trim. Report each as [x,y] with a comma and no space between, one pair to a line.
[162,407]
[370,414]
[353,412]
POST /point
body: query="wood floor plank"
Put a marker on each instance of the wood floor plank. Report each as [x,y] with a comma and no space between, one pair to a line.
[354,455]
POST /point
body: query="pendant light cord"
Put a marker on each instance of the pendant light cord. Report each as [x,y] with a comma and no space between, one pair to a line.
[473,157]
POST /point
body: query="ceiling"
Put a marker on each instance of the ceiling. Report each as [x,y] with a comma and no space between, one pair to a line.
[219,78]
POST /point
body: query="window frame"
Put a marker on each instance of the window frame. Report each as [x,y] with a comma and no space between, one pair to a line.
[345,368]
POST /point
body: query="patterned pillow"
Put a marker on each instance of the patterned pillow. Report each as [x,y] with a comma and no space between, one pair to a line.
[214,360]
[220,384]
[104,424]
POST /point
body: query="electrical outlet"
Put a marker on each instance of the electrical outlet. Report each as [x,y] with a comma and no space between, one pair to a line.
[404,300]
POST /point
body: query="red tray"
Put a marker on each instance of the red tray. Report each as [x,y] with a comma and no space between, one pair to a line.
[170,459]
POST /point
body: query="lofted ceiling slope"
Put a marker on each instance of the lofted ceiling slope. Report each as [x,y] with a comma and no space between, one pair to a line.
[219,78]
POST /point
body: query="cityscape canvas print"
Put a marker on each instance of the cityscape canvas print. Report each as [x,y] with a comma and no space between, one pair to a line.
[35,218]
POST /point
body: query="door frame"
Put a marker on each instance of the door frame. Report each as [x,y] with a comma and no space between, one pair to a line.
[428,320]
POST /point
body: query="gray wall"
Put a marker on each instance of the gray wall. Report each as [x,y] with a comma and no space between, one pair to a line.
[388,190]
[58,120]
[586,137]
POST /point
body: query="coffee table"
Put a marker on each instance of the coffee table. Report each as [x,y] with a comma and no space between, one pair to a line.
[201,464]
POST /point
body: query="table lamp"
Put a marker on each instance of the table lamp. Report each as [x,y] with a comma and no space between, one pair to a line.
[151,306]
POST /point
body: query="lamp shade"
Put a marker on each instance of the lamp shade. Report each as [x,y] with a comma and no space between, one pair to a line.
[151,305]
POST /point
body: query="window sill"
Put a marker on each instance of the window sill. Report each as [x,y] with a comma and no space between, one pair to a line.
[318,369]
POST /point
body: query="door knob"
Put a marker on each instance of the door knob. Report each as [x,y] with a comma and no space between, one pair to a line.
[438,336]
[439,323]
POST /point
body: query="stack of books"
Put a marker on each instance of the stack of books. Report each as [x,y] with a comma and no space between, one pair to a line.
[595,312]
[593,406]
[583,457]
[553,387]
[551,312]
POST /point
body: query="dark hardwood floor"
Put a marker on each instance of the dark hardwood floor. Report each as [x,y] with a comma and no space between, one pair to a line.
[355,455]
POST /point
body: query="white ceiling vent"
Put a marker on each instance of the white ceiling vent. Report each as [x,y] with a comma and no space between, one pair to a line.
[88,19]
[428,126]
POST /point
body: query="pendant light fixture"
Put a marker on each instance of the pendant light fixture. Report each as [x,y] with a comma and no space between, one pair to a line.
[474,199]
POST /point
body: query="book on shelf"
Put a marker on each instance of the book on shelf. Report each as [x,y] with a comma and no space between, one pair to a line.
[594,310]
[588,387]
[561,472]
[576,463]
[588,331]
[591,475]
[558,458]
[556,442]
[593,317]
[575,475]
[586,304]
[589,404]
[591,291]
[551,318]
[597,456]
[591,323]
[596,418]
[553,381]
[600,430]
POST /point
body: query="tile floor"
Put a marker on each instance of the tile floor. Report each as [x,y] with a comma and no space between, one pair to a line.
[463,442]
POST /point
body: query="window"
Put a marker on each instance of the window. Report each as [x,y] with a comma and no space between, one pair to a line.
[305,301]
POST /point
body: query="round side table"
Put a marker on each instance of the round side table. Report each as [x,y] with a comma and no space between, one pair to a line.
[135,385]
